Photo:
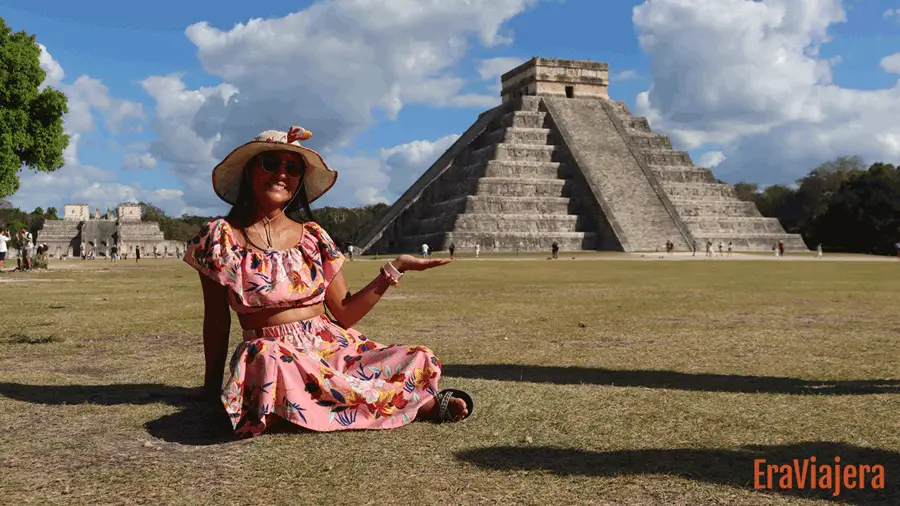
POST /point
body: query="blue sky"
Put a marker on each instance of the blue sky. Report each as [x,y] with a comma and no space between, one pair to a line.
[745,137]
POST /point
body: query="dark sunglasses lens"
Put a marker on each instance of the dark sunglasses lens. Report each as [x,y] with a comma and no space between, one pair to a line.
[293,168]
[270,163]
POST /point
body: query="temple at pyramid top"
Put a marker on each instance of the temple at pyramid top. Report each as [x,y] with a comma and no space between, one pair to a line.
[553,76]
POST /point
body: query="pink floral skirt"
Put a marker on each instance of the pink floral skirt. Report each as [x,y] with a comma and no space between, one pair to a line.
[320,376]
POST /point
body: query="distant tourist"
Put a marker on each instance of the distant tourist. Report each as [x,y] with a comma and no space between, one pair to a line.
[25,244]
[4,239]
[781,248]
[709,252]
[477,250]
[694,248]
[898,249]
[819,251]
[452,250]
[113,254]
[297,363]
[425,250]
[721,249]
[350,252]
[137,254]
[730,247]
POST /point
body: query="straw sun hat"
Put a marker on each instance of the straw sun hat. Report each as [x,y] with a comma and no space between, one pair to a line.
[227,176]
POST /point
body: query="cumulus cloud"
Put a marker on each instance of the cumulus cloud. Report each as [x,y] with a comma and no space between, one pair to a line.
[892,13]
[624,75]
[75,181]
[891,63]
[370,180]
[135,161]
[710,159]
[747,75]
[334,68]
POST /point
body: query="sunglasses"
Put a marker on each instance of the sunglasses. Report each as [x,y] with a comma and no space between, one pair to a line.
[272,163]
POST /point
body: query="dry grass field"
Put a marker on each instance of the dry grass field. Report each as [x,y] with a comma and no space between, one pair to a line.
[596,382]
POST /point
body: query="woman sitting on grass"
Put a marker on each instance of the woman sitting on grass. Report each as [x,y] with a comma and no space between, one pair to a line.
[279,272]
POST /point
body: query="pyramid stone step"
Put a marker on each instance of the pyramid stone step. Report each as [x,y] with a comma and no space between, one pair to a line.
[666,157]
[518,187]
[476,204]
[716,208]
[750,242]
[649,141]
[681,174]
[520,152]
[698,191]
[491,223]
[524,119]
[638,123]
[499,242]
[516,169]
[725,225]
[519,136]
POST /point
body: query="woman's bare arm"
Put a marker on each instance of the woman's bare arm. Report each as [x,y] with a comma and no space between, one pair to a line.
[349,309]
[216,329]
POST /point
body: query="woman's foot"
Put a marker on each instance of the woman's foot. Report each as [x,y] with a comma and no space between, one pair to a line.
[457,410]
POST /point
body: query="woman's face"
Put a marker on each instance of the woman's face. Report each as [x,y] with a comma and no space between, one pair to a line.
[276,176]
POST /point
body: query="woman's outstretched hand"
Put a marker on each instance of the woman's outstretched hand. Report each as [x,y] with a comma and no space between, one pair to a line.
[411,263]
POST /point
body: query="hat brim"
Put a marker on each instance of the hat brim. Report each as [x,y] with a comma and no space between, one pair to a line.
[227,175]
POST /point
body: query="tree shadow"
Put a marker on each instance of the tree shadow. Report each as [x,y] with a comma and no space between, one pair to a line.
[670,380]
[734,468]
[197,423]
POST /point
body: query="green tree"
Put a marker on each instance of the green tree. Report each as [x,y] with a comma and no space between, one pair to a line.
[38,210]
[31,119]
[51,214]
[746,191]
[863,215]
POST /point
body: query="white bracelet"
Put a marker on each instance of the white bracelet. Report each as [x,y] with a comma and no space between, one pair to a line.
[389,267]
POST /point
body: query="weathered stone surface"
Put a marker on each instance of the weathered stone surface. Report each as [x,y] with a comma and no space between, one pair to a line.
[581,171]
[635,210]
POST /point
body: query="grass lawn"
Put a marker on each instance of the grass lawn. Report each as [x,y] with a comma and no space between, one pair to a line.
[601,382]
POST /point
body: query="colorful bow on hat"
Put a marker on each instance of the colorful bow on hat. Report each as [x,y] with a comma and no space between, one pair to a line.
[298,134]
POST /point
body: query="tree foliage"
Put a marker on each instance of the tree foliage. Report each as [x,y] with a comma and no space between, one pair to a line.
[31,118]
[839,204]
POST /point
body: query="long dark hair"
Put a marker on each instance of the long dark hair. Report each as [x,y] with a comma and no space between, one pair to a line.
[241,213]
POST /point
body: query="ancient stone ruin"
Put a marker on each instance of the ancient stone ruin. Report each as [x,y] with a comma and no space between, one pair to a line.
[79,233]
[558,161]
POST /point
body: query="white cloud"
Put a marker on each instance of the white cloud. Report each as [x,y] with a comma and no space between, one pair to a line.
[747,75]
[134,161]
[77,182]
[52,67]
[891,63]
[624,75]
[892,13]
[332,68]
[369,180]
[491,68]
[710,159]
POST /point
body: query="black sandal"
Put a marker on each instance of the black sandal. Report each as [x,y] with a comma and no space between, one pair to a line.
[443,399]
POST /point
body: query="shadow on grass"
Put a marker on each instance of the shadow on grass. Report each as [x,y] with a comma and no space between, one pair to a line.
[734,468]
[669,380]
[197,423]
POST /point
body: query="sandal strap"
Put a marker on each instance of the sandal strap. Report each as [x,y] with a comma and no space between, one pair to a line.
[443,399]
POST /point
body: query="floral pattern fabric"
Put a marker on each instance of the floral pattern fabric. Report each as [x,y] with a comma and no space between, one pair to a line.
[313,373]
[295,277]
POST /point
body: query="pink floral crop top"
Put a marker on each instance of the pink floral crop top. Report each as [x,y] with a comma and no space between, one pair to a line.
[259,279]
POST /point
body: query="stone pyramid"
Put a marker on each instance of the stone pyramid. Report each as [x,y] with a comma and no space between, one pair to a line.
[558,161]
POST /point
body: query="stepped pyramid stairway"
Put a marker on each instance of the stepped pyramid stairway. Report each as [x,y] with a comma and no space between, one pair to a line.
[558,161]
[710,210]
[507,190]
